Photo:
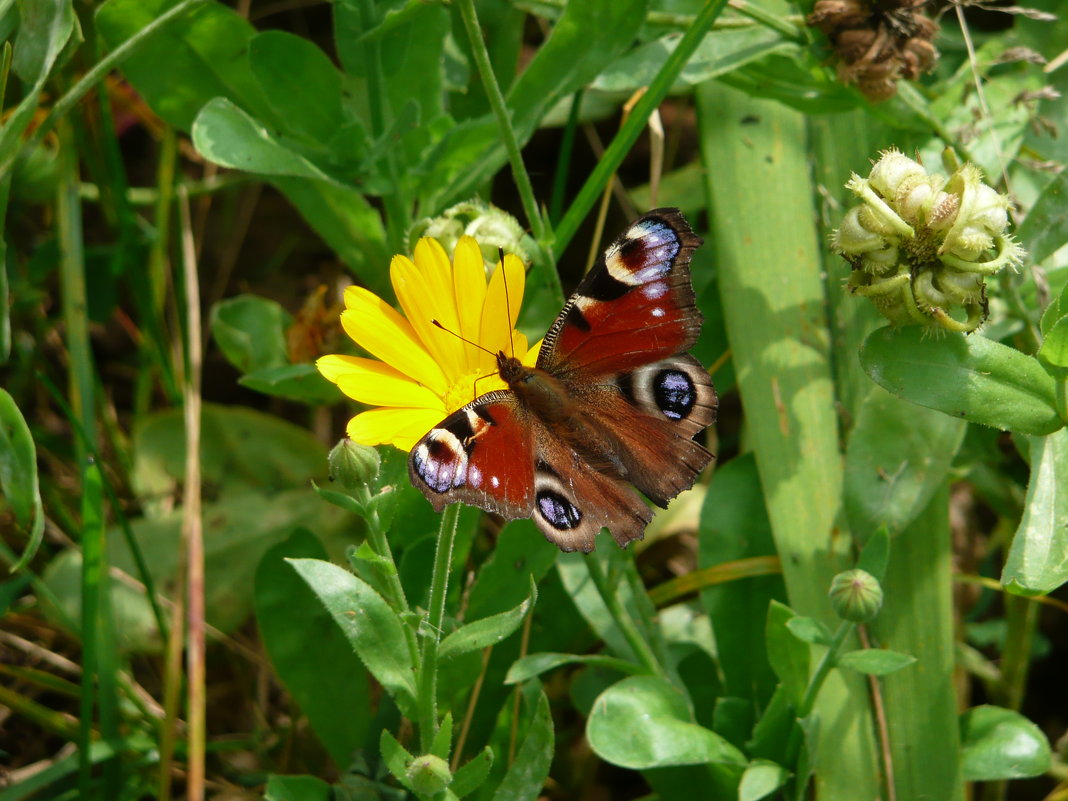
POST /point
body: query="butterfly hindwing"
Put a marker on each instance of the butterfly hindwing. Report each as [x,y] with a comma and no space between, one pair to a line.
[482,455]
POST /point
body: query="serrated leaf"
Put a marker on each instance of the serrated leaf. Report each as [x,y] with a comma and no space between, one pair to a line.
[487,631]
[970,377]
[875,661]
[1038,558]
[395,755]
[371,626]
[645,722]
[999,744]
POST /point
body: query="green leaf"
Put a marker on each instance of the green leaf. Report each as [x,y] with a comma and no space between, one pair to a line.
[761,779]
[1045,229]
[875,661]
[250,331]
[1001,744]
[299,82]
[971,377]
[395,755]
[645,722]
[298,382]
[719,52]
[442,743]
[313,659]
[896,459]
[526,776]
[1057,308]
[18,475]
[369,624]
[1038,559]
[535,664]
[734,525]
[788,656]
[470,776]
[227,135]
[522,553]
[487,631]
[296,788]
[810,630]
[208,48]
[1054,348]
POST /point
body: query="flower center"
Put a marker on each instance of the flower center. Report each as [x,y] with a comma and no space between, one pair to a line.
[470,386]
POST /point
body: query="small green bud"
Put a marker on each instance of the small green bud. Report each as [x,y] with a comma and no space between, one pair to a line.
[856,595]
[353,465]
[429,775]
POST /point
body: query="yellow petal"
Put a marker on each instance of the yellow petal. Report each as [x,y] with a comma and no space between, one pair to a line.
[382,331]
[399,427]
[469,285]
[377,384]
[504,296]
[530,359]
[424,297]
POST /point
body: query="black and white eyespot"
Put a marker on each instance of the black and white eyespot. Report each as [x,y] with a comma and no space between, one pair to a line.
[552,504]
[674,387]
[644,253]
[440,461]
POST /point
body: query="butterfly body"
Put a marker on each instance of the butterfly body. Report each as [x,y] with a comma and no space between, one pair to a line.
[614,401]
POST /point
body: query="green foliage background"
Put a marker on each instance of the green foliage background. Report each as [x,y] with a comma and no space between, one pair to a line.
[177,177]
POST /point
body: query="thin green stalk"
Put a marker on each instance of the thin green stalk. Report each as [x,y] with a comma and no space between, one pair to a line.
[376,535]
[1022,617]
[94,576]
[75,302]
[563,164]
[96,74]
[504,123]
[827,663]
[607,590]
[426,700]
[634,125]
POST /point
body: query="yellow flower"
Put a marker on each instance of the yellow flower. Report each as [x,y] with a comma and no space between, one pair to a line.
[421,373]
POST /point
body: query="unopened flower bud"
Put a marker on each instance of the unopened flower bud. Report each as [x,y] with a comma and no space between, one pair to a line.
[494,229]
[856,596]
[353,465]
[429,775]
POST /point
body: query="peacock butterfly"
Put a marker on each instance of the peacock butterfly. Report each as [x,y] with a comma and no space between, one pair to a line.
[615,400]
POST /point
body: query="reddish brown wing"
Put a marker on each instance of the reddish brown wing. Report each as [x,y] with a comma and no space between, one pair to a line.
[636,306]
[482,455]
[620,347]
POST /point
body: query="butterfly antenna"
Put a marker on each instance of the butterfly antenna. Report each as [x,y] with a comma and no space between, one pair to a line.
[462,338]
[507,302]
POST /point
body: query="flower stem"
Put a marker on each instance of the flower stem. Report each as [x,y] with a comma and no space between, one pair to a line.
[380,544]
[500,111]
[830,659]
[622,619]
[426,701]
[634,124]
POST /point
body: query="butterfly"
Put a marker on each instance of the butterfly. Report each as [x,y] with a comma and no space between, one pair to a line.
[612,405]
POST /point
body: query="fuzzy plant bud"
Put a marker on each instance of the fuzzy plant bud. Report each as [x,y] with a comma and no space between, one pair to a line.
[353,465]
[921,244]
[856,596]
[494,229]
[428,775]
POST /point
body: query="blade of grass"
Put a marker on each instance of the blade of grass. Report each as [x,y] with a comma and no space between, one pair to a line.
[192,524]
[917,619]
[761,197]
[94,574]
